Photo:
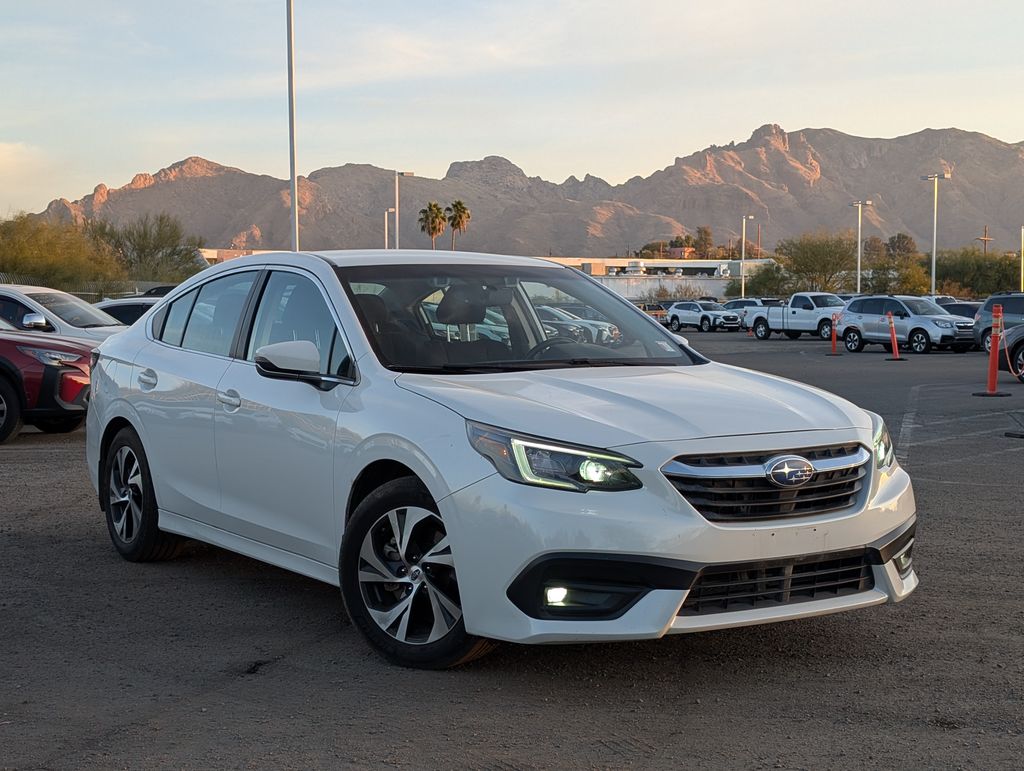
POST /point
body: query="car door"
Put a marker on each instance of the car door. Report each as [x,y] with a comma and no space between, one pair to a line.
[275,439]
[688,314]
[901,319]
[876,326]
[174,379]
[802,317]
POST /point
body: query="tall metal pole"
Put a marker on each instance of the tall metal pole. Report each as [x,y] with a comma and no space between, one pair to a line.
[743,259]
[386,228]
[291,128]
[397,229]
[1022,258]
[860,243]
[935,229]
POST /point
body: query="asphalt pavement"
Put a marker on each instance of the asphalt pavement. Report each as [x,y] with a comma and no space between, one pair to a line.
[217,661]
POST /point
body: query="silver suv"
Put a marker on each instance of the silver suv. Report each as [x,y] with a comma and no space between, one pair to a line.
[920,324]
[1013,314]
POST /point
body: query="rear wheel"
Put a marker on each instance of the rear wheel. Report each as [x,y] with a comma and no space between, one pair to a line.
[1018,363]
[825,329]
[792,335]
[398,580]
[853,341]
[919,341]
[986,340]
[59,425]
[130,503]
[761,330]
[10,411]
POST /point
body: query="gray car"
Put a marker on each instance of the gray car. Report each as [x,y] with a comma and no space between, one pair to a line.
[1013,314]
[920,324]
[40,309]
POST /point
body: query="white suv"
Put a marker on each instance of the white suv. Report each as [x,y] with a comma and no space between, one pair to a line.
[920,324]
[704,315]
[305,410]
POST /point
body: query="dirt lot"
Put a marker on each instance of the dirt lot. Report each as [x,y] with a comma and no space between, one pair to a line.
[215,660]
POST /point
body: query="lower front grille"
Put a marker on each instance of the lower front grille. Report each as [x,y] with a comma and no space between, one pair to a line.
[746,586]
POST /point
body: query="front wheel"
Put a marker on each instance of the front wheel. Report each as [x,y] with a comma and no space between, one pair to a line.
[705,324]
[10,412]
[398,580]
[1018,363]
[853,341]
[919,341]
[761,329]
[130,503]
[674,324]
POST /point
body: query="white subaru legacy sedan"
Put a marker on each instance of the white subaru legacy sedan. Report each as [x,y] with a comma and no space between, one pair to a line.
[403,425]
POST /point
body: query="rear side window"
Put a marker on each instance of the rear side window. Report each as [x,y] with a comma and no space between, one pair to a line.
[874,306]
[855,306]
[211,325]
[177,317]
[1014,305]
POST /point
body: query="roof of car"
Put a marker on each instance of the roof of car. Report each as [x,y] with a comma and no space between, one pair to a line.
[137,300]
[359,257]
[28,288]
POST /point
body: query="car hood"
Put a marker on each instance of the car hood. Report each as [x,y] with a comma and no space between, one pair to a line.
[48,340]
[951,317]
[615,406]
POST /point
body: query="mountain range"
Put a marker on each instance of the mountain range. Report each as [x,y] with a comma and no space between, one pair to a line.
[792,182]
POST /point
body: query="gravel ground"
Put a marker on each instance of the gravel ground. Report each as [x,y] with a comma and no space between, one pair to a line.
[214,660]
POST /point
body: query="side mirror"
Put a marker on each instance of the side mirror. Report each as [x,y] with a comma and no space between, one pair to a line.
[293,360]
[684,340]
[35,321]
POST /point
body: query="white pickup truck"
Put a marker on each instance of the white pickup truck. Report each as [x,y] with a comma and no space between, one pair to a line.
[809,312]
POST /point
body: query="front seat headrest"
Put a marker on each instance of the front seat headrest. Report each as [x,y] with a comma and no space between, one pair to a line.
[463,304]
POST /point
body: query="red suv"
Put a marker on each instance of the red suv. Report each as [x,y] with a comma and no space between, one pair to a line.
[44,381]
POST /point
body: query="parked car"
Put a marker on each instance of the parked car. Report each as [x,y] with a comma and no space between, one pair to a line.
[459,492]
[703,315]
[127,310]
[920,324]
[1013,314]
[44,381]
[580,311]
[940,299]
[806,312]
[595,331]
[740,305]
[49,311]
[966,308]
[159,291]
[656,311]
[1011,356]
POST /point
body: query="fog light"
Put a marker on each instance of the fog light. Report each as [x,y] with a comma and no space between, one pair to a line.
[904,560]
[555,595]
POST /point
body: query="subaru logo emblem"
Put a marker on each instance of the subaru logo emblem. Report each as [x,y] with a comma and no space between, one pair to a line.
[788,471]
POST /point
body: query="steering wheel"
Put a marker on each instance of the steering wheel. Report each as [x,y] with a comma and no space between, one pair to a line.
[545,345]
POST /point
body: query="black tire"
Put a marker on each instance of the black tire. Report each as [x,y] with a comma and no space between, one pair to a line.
[456,646]
[793,335]
[986,341]
[761,330]
[918,341]
[1018,362]
[10,411]
[59,425]
[853,340]
[674,324]
[825,329]
[130,507]
[705,324]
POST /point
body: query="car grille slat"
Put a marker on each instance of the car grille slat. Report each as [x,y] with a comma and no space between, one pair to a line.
[746,586]
[745,497]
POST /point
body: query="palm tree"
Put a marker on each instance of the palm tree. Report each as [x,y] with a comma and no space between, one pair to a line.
[458,218]
[432,221]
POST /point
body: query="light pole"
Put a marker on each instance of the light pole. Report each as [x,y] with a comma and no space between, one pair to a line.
[1022,258]
[397,175]
[935,216]
[860,244]
[386,213]
[743,255]
[291,128]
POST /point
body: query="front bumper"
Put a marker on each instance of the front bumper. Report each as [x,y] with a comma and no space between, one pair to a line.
[63,392]
[501,531]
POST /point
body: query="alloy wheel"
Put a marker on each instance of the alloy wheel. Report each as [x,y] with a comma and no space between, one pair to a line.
[919,342]
[3,410]
[125,492]
[407,576]
[852,340]
[825,330]
[1018,365]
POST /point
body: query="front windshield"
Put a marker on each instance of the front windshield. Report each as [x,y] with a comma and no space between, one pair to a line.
[827,301]
[487,318]
[76,312]
[709,306]
[921,307]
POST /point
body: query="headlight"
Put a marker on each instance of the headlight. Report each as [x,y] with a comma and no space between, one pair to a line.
[532,461]
[943,324]
[885,454]
[46,356]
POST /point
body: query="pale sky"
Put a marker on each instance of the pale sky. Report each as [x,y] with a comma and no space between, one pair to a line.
[98,91]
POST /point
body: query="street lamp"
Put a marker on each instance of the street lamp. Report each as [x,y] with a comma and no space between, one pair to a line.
[397,175]
[743,255]
[935,215]
[860,244]
[386,213]
[291,128]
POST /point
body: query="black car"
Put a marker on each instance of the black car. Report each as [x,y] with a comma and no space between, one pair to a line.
[1011,352]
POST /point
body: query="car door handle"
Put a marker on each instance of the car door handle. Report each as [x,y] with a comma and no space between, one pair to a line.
[230,399]
[147,378]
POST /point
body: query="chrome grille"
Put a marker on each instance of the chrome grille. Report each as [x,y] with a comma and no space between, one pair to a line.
[746,586]
[736,488]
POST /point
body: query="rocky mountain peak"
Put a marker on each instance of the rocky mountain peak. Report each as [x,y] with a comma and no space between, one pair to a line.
[493,171]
